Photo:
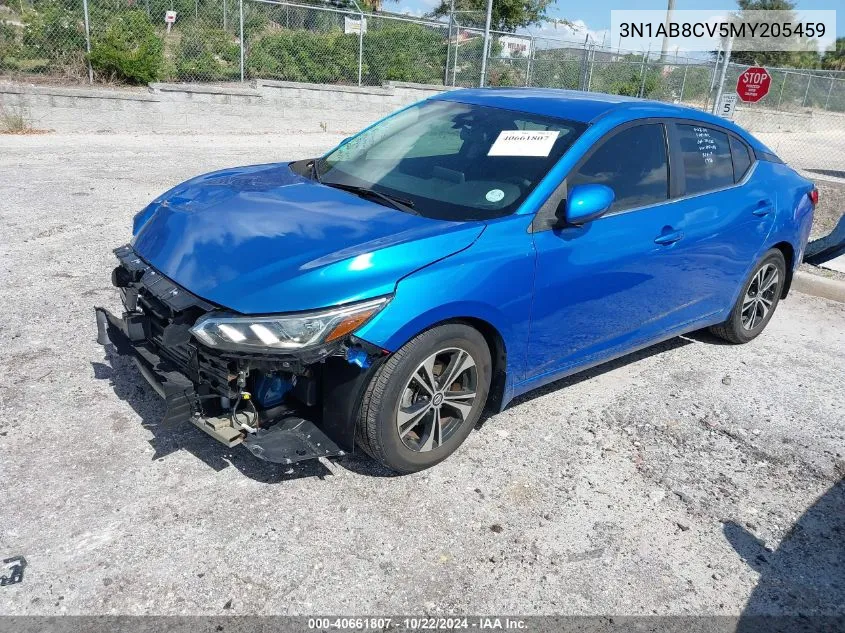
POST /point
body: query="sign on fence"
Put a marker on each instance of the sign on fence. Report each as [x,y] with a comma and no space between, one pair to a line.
[351,25]
[727,105]
[515,46]
[169,19]
[753,84]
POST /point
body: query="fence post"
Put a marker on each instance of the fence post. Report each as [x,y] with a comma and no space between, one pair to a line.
[724,71]
[683,81]
[224,15]
[712,81]
[530,59]
[449,43]
[782,84]
[641,93]
[807,91]
[455,56]
[582,72]
[88,42]
[829,90]
[241,11]
[486,43]
[590,73]
[360,47]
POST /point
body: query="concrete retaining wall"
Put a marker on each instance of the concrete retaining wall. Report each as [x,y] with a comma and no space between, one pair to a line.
[262,106]
[759,120]
[271,106]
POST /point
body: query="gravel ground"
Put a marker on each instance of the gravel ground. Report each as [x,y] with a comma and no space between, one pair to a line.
[691,478]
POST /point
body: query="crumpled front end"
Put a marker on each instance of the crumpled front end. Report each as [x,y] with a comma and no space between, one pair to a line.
[284,407]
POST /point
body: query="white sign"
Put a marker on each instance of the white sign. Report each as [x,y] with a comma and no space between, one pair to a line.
[524,143]
[727,105]
[515,46]
[170,17]
[351,25]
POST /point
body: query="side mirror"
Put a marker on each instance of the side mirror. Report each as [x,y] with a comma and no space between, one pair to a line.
[586,203]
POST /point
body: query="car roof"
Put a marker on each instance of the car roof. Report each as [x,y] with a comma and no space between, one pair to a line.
[585,107]
[569,104]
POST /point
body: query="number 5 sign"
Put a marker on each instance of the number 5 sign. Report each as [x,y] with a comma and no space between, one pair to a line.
[753,84]
[726,106]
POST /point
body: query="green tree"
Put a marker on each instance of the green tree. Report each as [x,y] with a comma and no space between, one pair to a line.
[508,15]
[54,32]
[404,51]
[208,54]
[834,57]
[129,49]
[795,59]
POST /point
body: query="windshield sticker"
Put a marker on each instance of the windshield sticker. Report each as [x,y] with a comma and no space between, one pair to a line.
[494,195]
[524,143]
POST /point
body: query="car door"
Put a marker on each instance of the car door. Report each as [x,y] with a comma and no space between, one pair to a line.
[617,282]
[723,210]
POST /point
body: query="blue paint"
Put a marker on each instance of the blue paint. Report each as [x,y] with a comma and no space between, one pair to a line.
[270,389]
[587,203]
[263,240]
[357,356]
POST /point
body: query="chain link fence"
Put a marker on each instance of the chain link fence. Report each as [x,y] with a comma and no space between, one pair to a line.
[336,42]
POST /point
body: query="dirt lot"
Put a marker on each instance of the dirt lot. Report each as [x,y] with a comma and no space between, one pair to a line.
[691,478]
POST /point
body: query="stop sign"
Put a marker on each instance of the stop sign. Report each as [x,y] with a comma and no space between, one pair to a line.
[753,84]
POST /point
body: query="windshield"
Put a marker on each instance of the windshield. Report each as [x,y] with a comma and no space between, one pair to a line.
[452,161]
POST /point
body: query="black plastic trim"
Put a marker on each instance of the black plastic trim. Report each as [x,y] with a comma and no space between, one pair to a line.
[176,389]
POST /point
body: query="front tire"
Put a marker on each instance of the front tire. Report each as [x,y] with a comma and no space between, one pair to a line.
[757,301]
[425,400]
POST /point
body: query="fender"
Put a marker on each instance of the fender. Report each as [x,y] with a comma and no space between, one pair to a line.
[491,281]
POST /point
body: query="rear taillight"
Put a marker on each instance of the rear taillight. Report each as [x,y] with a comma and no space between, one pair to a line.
[814,196]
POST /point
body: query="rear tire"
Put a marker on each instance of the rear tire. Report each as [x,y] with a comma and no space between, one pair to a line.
[425,400]
[756,303]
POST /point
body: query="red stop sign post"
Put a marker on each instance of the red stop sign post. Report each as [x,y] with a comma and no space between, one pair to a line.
[753,84]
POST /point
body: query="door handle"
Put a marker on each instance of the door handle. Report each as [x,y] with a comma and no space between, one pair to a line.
[763,208]
[669,238]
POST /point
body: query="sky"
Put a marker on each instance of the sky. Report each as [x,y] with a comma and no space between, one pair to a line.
[593,16]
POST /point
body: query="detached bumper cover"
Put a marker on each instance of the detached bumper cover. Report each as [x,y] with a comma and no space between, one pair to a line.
[287,441]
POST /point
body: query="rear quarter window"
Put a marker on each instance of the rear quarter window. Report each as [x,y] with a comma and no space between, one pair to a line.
[706,156]
[742,158]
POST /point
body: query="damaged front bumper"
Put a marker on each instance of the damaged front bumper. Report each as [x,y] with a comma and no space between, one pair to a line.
[284,408]
[285,440]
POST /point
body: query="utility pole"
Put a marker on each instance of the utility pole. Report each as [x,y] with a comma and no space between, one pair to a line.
[665,46]
[486,43]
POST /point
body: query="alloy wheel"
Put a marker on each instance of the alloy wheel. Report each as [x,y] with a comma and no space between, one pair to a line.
[437,399]
[760,296]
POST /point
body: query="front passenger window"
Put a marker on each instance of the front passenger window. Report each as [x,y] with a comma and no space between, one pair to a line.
[633,163]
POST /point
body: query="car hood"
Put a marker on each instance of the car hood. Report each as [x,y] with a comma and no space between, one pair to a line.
[263,239]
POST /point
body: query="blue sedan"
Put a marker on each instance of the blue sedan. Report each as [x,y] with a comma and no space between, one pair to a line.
[452,256]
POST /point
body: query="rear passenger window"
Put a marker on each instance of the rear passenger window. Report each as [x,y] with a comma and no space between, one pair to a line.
[632,163]
[742,159]
[706,154]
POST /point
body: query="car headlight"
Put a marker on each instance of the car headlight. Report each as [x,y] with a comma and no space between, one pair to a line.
[284,332]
